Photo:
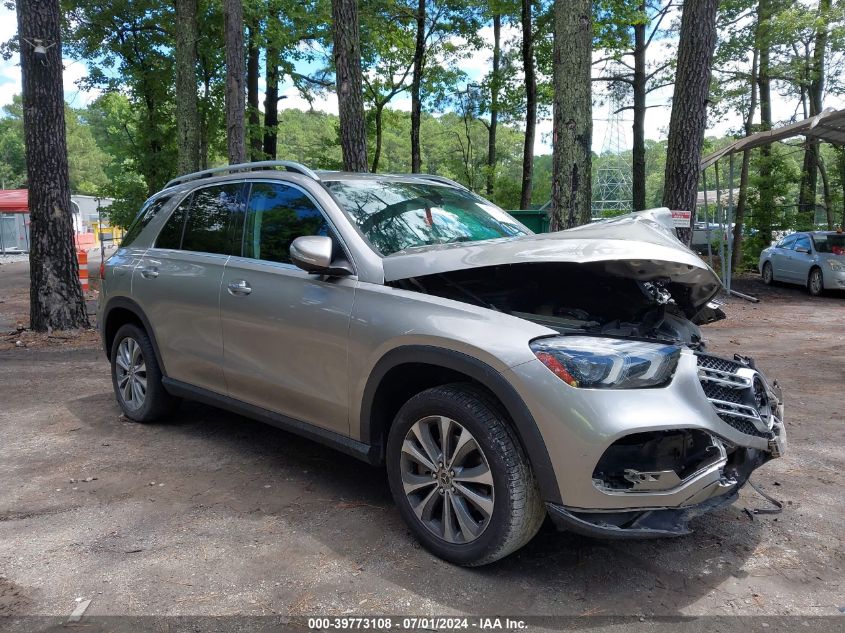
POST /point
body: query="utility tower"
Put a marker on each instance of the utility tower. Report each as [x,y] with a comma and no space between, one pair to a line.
[612,185]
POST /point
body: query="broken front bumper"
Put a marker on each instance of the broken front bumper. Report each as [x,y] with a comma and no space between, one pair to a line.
[661,522]
[718,421]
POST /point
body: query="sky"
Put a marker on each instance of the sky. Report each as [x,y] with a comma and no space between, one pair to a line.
[476,66]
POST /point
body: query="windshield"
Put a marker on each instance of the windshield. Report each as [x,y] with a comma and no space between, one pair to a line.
[834,244]
[395,216]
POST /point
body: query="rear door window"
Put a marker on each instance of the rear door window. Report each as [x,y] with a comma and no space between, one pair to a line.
[276,215]
[171,233]
[211,219]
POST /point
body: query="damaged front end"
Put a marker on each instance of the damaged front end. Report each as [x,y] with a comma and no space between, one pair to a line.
[651,430]
[570,299]
[710,467]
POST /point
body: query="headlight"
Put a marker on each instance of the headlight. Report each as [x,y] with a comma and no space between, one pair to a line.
[607,363]
[835,265]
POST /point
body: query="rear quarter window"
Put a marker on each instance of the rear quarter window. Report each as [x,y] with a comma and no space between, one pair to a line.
[146,215]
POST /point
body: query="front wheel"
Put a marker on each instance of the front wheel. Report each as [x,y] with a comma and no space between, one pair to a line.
[768,276]
[815,283]
[460,477]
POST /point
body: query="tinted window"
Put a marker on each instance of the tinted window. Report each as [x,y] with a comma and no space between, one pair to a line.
[276,216]
[148,212]
[827,243]
[208,228]
[803,242]
[788,242]
[171,234]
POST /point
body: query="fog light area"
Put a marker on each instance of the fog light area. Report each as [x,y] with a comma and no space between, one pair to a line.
[657,460]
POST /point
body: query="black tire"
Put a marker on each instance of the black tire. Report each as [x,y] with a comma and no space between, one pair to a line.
[156,403]
[518,510]
[768,274]
[815,282]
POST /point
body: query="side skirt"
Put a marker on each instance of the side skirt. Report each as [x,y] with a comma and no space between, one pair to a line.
[364,452]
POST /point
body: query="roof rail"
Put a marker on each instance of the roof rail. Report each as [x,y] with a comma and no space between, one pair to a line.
[231,169]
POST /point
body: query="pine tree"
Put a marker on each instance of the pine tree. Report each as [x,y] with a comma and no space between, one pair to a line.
[56,300]
[572,115]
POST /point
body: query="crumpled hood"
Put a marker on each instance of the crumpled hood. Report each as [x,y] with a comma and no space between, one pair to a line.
[640,246]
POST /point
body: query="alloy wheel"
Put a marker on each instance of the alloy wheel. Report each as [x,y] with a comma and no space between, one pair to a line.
[767,273]
[447,479]
[131,371]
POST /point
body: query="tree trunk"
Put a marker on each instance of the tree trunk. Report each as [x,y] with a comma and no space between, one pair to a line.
[271,104]
[639,88]
[572,118]
[815,94]
[379,132]
[55,297]
[416,88]
[828,199]
[235,102]
[689,106]
[254,125]
[530,105]
[350,100]
[739,218]
[840,160]
[767,196]
[187,107]
[495,84]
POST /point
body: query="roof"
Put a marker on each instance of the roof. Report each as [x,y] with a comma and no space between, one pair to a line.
[17,200]
[827,126]
[14,201]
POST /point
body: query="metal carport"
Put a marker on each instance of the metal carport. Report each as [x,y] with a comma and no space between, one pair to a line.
[828,126]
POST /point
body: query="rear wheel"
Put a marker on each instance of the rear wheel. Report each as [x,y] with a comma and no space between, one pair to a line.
[815,283]
[136,376]
[767,274]
[460,478]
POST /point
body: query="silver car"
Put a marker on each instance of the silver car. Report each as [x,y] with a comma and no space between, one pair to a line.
[815,259]
[500,376]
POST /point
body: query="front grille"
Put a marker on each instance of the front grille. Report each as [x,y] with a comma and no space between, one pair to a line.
[734,391]
[744,426]
[720,364]
[715,391]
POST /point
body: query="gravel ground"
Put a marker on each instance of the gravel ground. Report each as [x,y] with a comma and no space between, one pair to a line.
[15,258]
[213,514]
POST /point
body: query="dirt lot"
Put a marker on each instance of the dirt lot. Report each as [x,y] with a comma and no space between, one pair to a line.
[216,514]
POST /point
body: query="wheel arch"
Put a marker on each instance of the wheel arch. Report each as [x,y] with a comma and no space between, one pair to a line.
[118,312]
[388,388]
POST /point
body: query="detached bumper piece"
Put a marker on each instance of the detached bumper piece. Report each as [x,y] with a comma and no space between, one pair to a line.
[636,524]
[660,522]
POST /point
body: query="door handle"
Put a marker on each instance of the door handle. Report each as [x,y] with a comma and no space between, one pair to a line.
[239,287]
[149,273]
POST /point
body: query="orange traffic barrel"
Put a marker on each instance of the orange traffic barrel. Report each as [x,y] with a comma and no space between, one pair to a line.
[82,258]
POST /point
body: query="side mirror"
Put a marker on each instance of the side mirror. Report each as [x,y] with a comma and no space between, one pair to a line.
[313,254]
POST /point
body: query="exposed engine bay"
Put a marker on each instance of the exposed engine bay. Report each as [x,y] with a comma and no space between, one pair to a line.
[577,299]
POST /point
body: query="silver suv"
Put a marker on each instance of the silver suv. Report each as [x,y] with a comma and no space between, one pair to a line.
[501,376]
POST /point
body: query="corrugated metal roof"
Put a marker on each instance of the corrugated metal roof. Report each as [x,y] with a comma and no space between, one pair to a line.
[828,126]
[14,201]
